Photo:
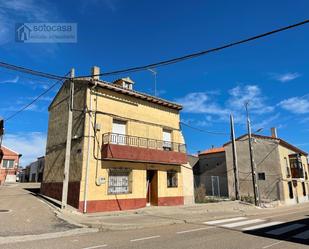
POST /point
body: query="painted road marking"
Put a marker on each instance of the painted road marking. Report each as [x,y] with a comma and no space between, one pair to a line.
[242,223]
[274,223]
[93,247]
[285,229]
[273,244]
[145,238]
[194,230]
[214,222]
[303,235]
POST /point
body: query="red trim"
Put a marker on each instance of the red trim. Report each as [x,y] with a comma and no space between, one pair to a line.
[127,204]
[170,201]
[54,190]
[131,153]
[112,205]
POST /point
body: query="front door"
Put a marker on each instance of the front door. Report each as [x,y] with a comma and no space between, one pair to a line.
[152,187]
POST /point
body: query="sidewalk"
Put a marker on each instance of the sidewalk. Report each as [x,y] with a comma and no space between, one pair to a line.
[158,216]
[22,213]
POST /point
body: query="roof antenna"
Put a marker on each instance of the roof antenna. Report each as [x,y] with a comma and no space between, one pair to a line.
[154,72]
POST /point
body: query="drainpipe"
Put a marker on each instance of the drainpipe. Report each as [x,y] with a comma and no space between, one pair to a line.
[88,152]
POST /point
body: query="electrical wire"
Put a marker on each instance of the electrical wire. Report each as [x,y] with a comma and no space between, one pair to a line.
[205,131]
[156,64]
[34,100]
[31,71]
[201,53]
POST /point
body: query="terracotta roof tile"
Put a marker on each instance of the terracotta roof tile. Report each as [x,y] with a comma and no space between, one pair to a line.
[212,151]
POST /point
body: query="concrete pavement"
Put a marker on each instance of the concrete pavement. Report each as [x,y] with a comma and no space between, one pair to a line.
[27,214]
[221,234]
[157,216]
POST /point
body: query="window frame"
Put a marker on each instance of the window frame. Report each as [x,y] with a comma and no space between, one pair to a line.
[290,187]
[304,189]
[7,165]
[261,176]
[169,182]
[121,173]
[167,145]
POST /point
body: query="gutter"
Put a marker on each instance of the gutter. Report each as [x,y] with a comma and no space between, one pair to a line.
[88,152]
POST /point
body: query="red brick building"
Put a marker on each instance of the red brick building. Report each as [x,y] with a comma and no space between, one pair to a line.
[9,165]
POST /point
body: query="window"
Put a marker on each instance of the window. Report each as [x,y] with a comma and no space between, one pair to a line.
[261,176]
[119,181]
[8,163]
[297,170]
[304,189]
[167,140]
[119,132]
[288,171]
[172,179]
[290,190]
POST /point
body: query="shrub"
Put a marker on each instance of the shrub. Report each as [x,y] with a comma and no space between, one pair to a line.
[200,193]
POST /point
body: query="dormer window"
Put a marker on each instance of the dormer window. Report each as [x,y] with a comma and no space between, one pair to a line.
[125,83]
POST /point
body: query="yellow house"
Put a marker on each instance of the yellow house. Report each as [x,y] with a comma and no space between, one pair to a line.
[127,148]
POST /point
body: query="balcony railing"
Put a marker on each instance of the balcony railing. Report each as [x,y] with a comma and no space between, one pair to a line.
[142,142]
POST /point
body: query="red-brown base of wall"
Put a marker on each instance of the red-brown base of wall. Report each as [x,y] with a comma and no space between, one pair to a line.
[54,190]
[126,204]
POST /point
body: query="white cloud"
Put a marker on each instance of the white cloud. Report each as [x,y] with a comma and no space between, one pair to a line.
[201,102]
[15,11]
[297,105]
[14,80]
[31,145]
[251,94]
[286,77]
[205,103]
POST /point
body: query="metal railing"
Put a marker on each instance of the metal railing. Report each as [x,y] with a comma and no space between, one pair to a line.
[142,142]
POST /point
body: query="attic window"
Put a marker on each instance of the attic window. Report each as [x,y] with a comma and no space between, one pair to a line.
[127,85]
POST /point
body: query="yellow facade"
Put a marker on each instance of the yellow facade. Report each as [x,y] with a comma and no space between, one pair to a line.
[143,119]
[296,183]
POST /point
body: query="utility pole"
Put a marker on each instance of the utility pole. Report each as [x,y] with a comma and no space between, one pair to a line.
[253,168]
[235,166]
[155,80]
[1,136]
[68,144]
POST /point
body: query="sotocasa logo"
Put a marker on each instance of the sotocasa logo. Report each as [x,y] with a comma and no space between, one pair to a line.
[46,32]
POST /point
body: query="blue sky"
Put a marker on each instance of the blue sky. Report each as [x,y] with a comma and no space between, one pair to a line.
[272,72]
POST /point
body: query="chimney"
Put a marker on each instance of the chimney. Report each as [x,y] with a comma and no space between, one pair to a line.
[273,132]
[72,73]
[95,71]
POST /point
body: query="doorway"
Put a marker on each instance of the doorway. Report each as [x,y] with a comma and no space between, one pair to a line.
[152,187]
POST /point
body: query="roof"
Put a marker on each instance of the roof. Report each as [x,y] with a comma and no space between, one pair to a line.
[212,151]
[281,142]
[9,152]
[133,93]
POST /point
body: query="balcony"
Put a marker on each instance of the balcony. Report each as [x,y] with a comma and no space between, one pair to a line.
[139,149]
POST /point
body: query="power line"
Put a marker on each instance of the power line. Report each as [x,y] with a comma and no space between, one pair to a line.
[34,100]
[205,131]
[156,64]
[31,71]
[193,55]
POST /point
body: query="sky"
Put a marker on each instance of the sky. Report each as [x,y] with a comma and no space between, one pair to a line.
[271,73]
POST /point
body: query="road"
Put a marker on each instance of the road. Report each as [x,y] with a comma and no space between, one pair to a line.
[274,230]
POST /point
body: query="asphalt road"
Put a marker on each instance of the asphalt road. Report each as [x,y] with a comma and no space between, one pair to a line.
[289,230]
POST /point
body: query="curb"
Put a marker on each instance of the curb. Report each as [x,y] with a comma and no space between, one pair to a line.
[121,227]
